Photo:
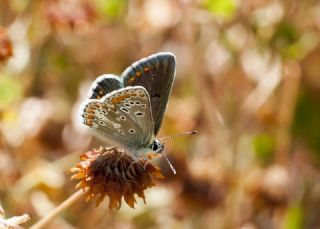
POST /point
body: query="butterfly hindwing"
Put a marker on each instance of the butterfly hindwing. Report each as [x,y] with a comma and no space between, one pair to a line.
[123,116]
[156,74]
[103,85]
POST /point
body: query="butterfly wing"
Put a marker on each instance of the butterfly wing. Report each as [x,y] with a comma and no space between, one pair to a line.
[123,116]
[156,74]
[103,85]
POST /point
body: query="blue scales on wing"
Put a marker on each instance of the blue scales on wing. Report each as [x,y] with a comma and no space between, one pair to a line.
[156,74]
[103,85]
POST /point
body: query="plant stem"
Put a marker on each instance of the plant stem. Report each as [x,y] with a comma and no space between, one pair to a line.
[56,211]
[287,104]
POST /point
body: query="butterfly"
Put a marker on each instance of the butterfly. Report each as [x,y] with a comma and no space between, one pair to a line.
[128,109]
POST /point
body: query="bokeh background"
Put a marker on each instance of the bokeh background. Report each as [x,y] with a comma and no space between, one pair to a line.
[248,79]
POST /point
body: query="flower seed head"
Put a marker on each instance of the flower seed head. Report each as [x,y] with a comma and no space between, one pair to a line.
[114,173]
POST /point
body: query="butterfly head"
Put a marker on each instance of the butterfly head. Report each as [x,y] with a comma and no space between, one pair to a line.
[157,146]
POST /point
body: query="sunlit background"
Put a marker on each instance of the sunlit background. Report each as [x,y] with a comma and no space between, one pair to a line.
[248,79]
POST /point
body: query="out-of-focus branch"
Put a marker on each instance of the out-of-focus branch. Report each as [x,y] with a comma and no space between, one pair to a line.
[266,86]
[289,93]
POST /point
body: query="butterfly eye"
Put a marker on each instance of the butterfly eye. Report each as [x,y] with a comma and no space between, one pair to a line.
[137,102]
[155,146]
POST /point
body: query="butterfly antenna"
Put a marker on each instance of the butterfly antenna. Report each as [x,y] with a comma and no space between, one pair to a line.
[178,135]
[171,166]
[171,137]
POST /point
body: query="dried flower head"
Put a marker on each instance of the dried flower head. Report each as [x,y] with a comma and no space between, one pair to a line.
[73,14]
[5,46]
[114,173]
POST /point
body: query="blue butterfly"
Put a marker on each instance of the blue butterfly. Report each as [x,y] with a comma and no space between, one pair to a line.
[129,109]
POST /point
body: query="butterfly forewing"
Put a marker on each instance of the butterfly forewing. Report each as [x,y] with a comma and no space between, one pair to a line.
[156,74]
[123,116]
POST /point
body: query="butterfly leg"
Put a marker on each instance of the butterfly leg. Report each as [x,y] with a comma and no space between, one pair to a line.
[147,162]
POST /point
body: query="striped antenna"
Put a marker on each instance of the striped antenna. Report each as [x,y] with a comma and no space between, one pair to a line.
[178,135]
[171,137]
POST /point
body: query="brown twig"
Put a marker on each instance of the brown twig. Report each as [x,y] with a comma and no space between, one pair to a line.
[64,205]
[289,93]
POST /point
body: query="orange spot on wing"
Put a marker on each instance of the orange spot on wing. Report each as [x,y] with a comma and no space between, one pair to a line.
[89,123]
[146,69]
[95,105]
[119,99]
[90,116]
[138,73]
[131,79]
[90,111]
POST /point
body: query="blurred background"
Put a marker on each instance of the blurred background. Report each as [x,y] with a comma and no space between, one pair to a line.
[248,79]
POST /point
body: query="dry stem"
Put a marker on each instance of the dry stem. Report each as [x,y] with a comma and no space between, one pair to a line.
[64,205]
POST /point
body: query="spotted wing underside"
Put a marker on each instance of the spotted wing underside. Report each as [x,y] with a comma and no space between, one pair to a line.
[122,116]
[155,73]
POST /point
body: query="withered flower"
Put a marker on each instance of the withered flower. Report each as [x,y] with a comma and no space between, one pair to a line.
[69,13]
[5,46]
[114,173]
